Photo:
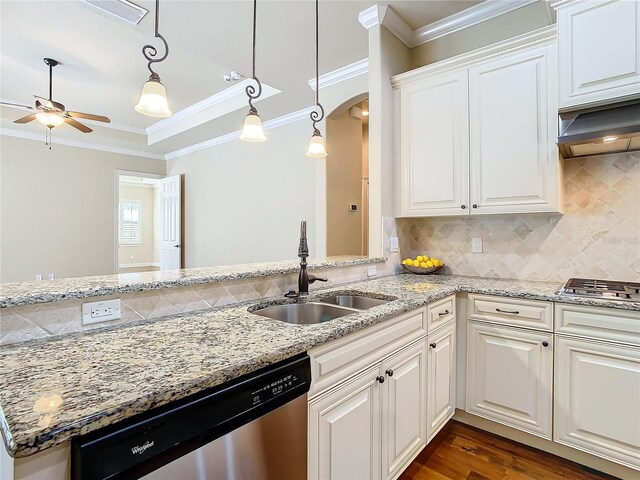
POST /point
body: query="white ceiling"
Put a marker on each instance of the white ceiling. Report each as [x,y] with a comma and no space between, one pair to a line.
[102,68]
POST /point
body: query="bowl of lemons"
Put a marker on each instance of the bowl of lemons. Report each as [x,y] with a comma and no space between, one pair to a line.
[422,264]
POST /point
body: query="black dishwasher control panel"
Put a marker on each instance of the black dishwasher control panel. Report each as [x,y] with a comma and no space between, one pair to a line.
[137,446]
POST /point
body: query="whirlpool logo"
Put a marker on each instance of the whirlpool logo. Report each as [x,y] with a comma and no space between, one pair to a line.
[140,449]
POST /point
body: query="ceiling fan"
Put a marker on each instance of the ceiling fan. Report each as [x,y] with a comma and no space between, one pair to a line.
[53,114]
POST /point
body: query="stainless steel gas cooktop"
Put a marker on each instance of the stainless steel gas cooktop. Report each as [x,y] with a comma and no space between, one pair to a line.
[607,289]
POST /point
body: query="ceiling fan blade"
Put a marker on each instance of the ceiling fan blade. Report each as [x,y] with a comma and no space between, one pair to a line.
[26,119]
[89,116]
[49,104]
[78,125]
[16,105]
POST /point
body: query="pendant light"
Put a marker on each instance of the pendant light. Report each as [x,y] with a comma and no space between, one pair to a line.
[317,148]
[252,129]
[153,100]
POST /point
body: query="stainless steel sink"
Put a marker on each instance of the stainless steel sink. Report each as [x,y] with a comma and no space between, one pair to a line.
[354,301]
[305,313]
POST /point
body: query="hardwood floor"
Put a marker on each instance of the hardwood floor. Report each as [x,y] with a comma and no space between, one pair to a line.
[461,452]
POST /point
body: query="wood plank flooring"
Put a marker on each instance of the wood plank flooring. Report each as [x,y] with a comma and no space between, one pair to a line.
[461,452]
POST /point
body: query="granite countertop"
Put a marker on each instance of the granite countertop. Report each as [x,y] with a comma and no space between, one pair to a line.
[29,293]
[52,390]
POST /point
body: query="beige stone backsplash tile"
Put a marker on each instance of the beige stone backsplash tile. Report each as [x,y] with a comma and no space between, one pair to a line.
[598,236]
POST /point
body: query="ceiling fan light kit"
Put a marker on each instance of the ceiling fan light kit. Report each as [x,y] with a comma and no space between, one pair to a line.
[317,147]
[252,129]
[153,99]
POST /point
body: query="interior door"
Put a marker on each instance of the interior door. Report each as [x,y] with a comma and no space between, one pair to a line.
[171,223]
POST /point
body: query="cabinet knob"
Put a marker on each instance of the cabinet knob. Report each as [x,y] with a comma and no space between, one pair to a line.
[475,205]
[463,206]
[545,344]
[433,345]
[389,372]
[380,379]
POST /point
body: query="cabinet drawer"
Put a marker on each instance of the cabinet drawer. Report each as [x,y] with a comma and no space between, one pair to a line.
[440,312]
[512,311]
[599,323]
[337,360]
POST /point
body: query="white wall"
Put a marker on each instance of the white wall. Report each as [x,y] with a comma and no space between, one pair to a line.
[243,202]
[57,208]
[143,253]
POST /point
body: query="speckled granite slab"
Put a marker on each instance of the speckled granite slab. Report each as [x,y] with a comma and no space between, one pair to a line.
[52,390]
[29,293]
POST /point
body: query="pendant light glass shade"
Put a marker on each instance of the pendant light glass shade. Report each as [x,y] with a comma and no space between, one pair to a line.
[317,148]
[49,119]
[153,100]
[252,129]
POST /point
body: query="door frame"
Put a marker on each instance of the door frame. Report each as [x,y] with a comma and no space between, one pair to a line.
[116,200]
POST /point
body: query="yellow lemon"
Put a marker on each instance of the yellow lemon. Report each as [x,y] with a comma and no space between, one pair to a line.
[429,264]
[423,264]
[419,258]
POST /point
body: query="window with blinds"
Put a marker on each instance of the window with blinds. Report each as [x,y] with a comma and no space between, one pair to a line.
[129,227]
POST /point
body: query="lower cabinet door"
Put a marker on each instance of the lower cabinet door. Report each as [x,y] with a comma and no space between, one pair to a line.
[510,376]
[441,380]
[597,399]
[344,430]
[404,408]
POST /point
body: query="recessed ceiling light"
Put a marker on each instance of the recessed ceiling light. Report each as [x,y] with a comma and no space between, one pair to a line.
[609,139]
[123,9]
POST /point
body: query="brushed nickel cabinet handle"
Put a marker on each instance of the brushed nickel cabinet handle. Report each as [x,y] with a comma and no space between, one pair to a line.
[511,312]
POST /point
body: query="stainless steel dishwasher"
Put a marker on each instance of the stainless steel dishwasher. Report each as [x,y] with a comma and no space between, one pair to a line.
[251,428]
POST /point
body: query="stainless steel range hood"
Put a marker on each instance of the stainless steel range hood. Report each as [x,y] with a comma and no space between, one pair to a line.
[600,130]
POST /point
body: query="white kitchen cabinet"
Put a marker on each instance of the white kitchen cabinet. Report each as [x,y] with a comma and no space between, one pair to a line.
[513,126]
[344,431]
[372,424]
[477,133]
[599,50]
[404,425]
[434,145]
[441,379]
[510,376]
[597,398]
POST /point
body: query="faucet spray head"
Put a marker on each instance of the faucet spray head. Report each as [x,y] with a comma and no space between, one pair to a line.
[303,248]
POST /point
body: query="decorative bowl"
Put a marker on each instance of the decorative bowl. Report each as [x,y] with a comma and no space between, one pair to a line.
[422,270]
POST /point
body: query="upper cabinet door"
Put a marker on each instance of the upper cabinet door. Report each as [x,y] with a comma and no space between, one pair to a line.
[513,116]
[434,147]
[599,42]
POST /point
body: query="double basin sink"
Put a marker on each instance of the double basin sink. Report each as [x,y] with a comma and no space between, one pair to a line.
[324,310]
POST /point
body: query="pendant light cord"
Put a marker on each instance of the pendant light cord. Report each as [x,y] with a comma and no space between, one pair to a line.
[251,90]
[315,115]
[150,52]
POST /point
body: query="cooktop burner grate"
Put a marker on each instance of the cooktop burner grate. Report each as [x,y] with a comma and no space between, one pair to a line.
[587,287]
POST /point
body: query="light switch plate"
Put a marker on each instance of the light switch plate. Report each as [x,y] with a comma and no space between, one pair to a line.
[394,245]
[372,271]
[476,245]
[96,312]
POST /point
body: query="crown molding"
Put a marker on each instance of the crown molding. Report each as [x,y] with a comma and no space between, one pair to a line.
[10,132]
[228,137]
[341,74]
[384,15]
[542,36]
[226,101]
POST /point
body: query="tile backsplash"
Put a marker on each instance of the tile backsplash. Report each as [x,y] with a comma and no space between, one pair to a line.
[597,237]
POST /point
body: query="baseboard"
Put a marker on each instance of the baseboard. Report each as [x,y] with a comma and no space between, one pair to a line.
[138,265]
[583,458]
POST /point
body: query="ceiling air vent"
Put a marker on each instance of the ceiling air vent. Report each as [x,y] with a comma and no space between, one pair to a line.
[122,9]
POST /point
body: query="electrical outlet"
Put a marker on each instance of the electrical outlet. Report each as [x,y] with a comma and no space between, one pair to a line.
[96,312]
[394,245]
[476,245]
[52,276]
[38,276]
[372,271]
